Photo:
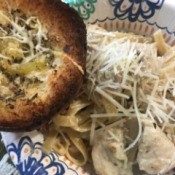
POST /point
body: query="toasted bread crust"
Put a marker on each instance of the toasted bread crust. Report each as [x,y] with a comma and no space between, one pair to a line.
[68,33]
[63,23]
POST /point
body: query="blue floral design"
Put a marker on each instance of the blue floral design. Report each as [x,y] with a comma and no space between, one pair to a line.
[33,167]
[29,165]
[135,9]
[22,142]
[84,7]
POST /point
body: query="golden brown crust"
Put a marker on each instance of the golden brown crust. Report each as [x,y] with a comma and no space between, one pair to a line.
[68,32]
[63,23]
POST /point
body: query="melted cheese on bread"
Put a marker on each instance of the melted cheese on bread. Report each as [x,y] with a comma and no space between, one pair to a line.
[26,57]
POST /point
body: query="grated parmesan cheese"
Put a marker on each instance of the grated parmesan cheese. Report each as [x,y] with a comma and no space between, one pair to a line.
[130,75]
[130,85]
[26,52]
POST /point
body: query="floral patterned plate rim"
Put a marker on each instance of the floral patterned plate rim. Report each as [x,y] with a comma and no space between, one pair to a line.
[26,153]
[140,16]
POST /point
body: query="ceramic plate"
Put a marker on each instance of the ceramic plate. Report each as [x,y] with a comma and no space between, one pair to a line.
[141,16]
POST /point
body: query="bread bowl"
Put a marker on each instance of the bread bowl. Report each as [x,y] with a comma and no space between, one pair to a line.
[42,61]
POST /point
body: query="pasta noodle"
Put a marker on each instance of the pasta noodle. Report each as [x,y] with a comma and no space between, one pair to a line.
[129,82]
[64,135]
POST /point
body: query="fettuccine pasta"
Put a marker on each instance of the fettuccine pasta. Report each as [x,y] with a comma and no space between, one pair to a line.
[129,87]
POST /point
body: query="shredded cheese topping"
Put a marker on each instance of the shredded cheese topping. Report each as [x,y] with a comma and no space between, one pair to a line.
[27,56]
[129,82]
[117,63]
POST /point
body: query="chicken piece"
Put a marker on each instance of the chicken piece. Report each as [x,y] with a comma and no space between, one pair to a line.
[156,154]
[108,154]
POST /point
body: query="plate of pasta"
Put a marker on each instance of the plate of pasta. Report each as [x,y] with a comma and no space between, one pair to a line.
[122,122]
